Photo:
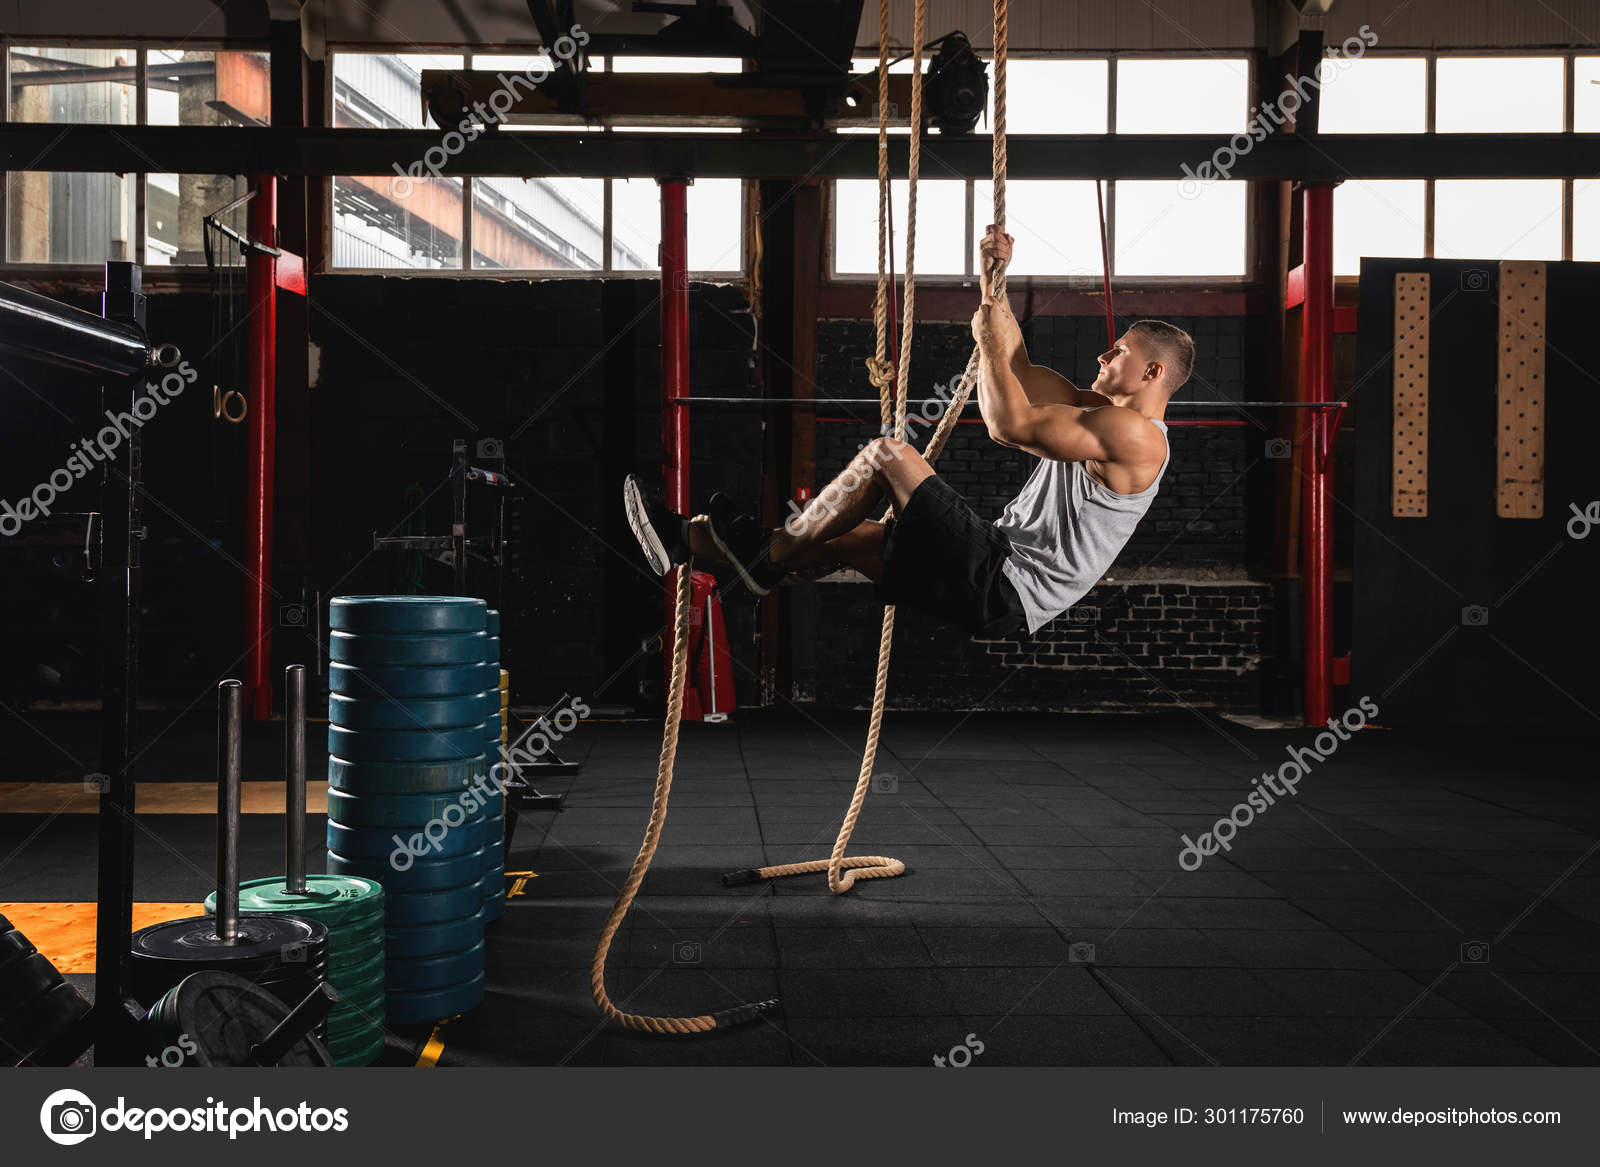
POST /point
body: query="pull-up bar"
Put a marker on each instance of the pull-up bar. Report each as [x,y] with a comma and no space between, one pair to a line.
[759,402]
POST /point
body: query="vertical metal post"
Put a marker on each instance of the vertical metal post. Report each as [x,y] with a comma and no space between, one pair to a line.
[458,513]
[294,809]
[230,785]
[261,291]
[674,372]
[121,529]
[1316,559]
[675,342]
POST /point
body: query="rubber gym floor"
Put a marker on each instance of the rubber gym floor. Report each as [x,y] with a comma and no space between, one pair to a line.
[1421,900]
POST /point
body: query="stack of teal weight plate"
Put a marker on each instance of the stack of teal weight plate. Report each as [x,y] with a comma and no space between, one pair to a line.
[409,682]
[494,853]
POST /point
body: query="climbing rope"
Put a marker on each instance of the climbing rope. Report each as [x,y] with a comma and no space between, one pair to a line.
[843,871]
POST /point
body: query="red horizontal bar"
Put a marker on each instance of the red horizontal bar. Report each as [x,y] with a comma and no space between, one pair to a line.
[1197,423]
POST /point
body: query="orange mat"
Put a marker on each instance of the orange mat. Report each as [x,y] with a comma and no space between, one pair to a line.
[153,798]
[65,932]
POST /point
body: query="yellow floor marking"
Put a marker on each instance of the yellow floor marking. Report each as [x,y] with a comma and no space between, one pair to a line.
[519,880]
[153,798]
[64,932]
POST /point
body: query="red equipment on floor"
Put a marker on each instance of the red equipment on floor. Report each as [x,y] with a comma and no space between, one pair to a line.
[709,693]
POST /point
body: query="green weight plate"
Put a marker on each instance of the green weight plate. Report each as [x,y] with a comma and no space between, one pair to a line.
[494,830]
[406,614]
[344,957]
[332,900]
[409,811]
[402,846]
[491,710]
[491,621]
[344,1025]
[492,650]
[405,745]
[368,1004]
[434,1004]
[422,875]
[412,680]
[430,649]
[494,906]
[411,712]
[403,777]
[357,1034]
[427,940]
[357,983]
[361,1057]
[427,907]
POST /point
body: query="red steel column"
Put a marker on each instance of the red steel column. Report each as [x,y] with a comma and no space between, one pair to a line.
[674,376]
[261,291]
[1316,530]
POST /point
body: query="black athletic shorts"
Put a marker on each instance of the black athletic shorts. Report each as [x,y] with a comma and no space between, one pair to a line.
[940,558]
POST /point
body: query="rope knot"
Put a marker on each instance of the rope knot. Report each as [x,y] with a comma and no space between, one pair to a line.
[881,373]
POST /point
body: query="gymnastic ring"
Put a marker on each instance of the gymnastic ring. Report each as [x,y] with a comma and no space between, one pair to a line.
[220,402]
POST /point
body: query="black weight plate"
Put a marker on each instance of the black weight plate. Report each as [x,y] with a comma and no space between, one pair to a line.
[13,946]
[30,977]
[412,680]
[407,614]
[423,875]
[194,939]
[227,1016]
[409,648]
[44,1019]
[427,907]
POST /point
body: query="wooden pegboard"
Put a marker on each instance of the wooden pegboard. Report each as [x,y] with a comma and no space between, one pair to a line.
[1409,477]
[1519,484]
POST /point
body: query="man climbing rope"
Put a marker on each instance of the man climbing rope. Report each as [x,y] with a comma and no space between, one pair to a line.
[1102,453]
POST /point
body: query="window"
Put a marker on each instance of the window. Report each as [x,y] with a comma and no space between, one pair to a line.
[1176,95]
[1377,219]
[941,226]
[72,218]
[1482,95]
[1374,95]
[1586,110]
[1586,219]
[188,87]
[409,220]
[1497,219]
[1160,232]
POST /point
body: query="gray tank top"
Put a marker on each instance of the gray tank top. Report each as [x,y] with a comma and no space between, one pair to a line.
[1066,529]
